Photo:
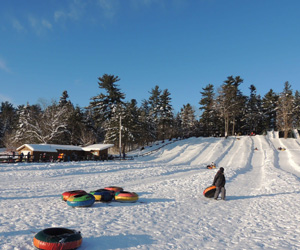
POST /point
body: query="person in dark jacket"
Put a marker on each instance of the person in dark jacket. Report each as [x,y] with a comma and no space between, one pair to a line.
[219,182]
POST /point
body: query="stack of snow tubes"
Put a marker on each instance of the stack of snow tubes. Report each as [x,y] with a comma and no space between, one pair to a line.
[122,196]
[116,193]
[57,239]
[80,198]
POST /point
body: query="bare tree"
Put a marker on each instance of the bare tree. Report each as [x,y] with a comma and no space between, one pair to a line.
[37,126]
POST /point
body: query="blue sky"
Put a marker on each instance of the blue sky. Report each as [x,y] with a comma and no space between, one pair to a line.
[50,46]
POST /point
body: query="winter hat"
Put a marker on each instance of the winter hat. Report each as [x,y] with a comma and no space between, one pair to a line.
[222,169]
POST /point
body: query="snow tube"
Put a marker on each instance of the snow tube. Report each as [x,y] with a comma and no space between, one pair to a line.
[114,189]
[209,192]
[103,195]
[57,239]
[210,167]
[81,200]
[124,196]
[68,194]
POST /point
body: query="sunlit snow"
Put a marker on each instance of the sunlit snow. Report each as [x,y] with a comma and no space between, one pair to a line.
[262,210]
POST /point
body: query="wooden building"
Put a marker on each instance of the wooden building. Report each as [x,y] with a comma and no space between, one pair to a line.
[98,151]
[54,152]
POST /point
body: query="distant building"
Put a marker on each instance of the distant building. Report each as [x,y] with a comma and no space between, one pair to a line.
[48,152]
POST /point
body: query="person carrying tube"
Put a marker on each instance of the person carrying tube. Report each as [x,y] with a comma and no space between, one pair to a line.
[219,182]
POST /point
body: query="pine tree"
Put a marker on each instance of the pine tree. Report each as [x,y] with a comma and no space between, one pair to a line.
[208,116]
[104,106]
[178,129]
[125,121]
[63,98]
[8,118]
[166,115]
[230,103]
[285,110]
[148,127]
[154,102]
[131,126]
[78,132]
[188,120]
[114,125]
[296,120]
[253,114]
[238,104]
[269,107]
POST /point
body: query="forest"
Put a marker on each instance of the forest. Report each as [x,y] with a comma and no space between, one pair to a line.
[109,118]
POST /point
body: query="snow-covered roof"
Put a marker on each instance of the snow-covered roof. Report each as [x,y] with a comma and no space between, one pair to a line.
[97,147]
[50,147]
[54,147]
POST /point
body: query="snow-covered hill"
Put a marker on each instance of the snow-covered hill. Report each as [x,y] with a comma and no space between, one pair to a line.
[262,210]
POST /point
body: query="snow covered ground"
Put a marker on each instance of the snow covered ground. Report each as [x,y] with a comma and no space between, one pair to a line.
[262,210]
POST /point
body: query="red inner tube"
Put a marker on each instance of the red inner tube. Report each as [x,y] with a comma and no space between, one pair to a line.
[68,194]
[114,189]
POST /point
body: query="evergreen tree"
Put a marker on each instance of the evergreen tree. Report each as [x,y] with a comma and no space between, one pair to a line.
[253,114]
[166,115]
[269,107]
[63,98]
[8,118]
[238,103]
[230,103]
[188,121]
[296,120]
[93,127]
[131,126]
[72,116]
[125,121]
[103,106]
[178,129]
[225,103]
[114,125]
[208,116]
[285,110]
[78,132]
[154,102]
[148,128]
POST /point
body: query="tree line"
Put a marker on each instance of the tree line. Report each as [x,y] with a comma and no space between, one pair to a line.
[224,112]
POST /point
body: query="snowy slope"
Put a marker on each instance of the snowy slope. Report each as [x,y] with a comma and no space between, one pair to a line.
[262,209]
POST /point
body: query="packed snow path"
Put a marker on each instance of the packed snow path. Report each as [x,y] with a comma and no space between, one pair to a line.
[262,209]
